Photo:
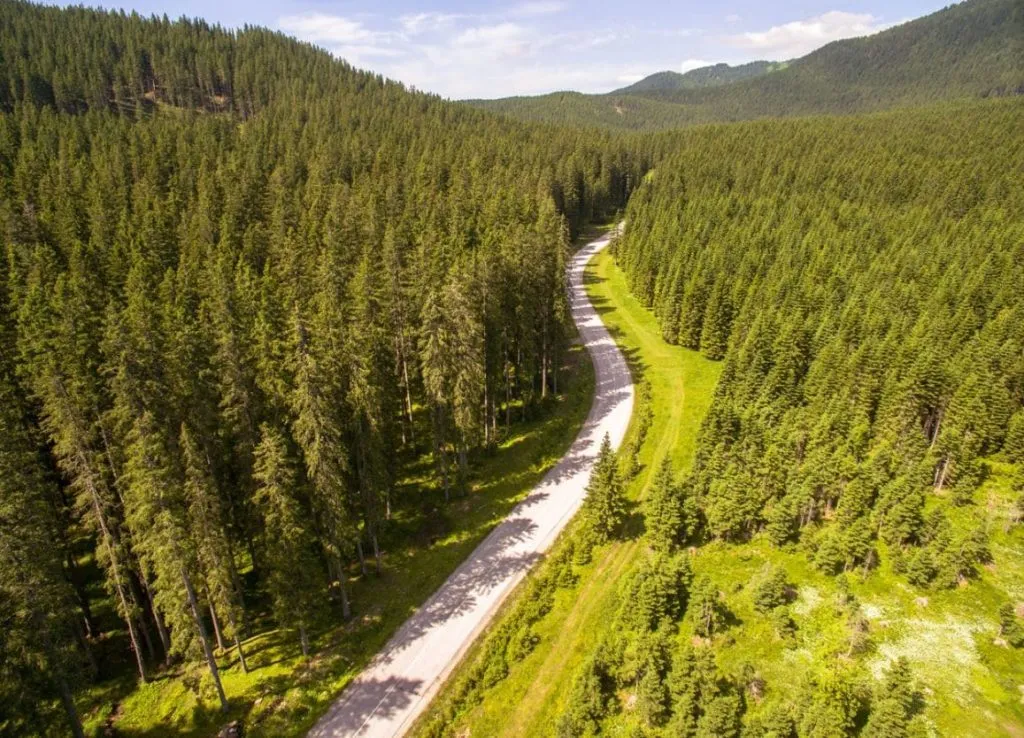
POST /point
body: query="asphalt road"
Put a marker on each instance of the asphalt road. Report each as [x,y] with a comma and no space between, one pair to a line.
[398,684]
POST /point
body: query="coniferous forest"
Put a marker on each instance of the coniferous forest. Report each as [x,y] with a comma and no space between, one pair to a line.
[241,279]
[246,286]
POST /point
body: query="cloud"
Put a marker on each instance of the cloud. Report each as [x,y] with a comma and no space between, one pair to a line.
[326,29]
[516,50]
[537,7]
[417,23]
[733,18]
[690,64]
[800,37]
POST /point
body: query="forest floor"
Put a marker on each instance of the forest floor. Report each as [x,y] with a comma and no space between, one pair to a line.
[973,685]
[426,540]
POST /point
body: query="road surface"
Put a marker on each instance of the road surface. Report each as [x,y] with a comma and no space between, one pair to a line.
[400,681]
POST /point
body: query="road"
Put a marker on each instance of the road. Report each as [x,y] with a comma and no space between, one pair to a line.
[398,684]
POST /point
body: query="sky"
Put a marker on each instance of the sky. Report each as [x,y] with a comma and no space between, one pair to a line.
[460,49]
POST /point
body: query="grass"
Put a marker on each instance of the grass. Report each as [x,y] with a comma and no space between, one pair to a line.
[284,694]
[973,685]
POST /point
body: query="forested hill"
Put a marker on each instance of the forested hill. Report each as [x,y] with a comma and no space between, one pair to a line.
[970,50]
[871,323]
[709,76]
[243,283]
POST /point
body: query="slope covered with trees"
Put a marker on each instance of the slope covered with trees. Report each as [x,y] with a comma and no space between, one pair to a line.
[865,294]
[709,76]
[970,50]
[241,281]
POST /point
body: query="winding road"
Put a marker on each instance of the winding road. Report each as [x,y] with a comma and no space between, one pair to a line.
[398,684]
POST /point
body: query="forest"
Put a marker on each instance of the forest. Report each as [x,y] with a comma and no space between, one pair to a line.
[240,280]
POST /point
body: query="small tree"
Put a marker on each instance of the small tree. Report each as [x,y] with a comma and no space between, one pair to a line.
[895,703]
[1009,626]
[706,610]
[664,511]
[604,508]
[771,589]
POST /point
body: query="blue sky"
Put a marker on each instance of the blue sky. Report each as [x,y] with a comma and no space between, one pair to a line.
[462,49]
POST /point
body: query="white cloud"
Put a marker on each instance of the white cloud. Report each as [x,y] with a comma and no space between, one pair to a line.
[516,50]
[537,7]
[326,29]
[629,78]
[800,37]
[690,64]
[417,23]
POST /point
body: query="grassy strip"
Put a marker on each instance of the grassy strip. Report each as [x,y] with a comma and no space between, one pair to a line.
[284,694]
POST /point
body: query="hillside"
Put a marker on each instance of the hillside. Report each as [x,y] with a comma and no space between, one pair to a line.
[971,50]
[281,342]
[710,76]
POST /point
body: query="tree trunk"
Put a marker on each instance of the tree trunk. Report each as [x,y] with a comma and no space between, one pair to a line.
[133,636]
[68,701]
[362,558]
[304,640]
[346,608]
[161,627]
[238,642]
[201,629]
[376,551]
[408,391]
[544,362]
[216,629]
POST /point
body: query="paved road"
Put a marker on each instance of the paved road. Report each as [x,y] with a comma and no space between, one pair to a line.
[399,683]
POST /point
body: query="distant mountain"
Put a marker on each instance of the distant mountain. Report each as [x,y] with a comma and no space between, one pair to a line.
[710,76]
[970,50]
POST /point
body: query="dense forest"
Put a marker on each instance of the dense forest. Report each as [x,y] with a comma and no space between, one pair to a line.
[238,274]
[969,50]
[872,323]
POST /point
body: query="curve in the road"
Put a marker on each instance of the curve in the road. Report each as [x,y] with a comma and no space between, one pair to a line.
[398,684]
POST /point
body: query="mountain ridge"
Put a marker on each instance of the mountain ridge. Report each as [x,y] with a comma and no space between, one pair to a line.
[970,50]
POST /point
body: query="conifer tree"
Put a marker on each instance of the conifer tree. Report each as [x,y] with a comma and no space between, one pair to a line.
[664,517]
[293,578]
[157,512]
[604,507]
[36,601]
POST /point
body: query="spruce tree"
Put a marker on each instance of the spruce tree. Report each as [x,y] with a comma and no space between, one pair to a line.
[604,507]
[664,510]
[294,576]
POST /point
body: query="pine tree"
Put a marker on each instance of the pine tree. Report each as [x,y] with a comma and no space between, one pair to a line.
[36,601]
[156,510]
[213,546]
[664,517]
[604,508]
[293,578]
[706,609]
[771,589]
